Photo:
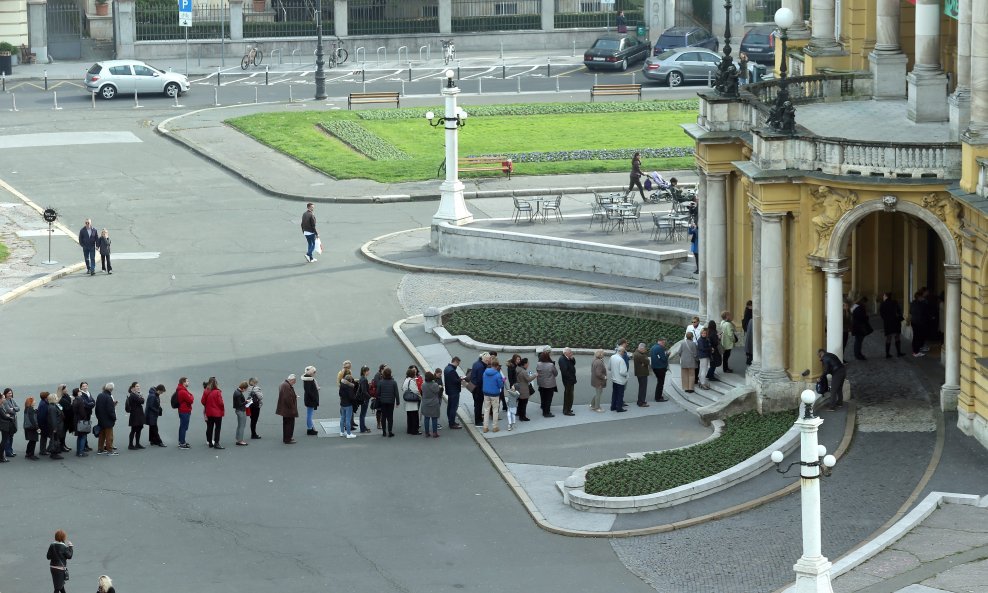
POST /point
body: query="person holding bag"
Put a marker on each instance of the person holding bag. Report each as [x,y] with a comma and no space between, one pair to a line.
[31,430]
[240,409]
[59,553]
[411,396]
[83,425]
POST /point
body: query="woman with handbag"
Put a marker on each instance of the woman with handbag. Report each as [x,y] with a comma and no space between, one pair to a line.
[546,373]
[387,397]
[56,423]
[59,553]
[83,427]
[432,397]
[411,396]
[8,420]
[31,430]
[364,395]
[523,384]
[134,406]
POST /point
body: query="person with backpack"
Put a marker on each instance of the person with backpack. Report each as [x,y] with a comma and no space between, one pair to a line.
[182,401]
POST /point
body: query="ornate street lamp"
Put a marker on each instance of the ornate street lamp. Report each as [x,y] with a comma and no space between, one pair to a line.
[812,568]
[727,72]
[320,73]
[783,114]
[452,206]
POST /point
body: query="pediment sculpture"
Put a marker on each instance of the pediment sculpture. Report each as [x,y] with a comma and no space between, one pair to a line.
[831,205]
[948,210]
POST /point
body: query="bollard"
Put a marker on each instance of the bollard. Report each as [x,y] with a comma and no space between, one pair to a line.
[502,71]
[480,86]
[176,100]
[363,75]
[519,84]
[46,80]
[403,88]
[216,97]
[363,87]
[291,99]
[502,50]
[255,96]
[54,95]
[13,101]
[94,100]
[218,71]
[3,82]
[633,74]
[557,84]
[457,69]
[595,79]
[548,67]
[137,104]
[574,49]
[266,74]
[409,74]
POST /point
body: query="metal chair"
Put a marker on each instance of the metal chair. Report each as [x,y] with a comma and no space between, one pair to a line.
[597,213]
[553,205]
[613,219]
[660,224]
[523,206]
[633,216]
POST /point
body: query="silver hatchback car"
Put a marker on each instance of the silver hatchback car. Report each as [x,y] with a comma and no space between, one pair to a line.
[114,77]
[686,64]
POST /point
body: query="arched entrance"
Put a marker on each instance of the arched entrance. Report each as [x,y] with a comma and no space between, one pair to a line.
[933,218]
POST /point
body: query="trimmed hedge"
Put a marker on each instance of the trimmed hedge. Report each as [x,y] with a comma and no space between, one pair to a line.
[363,140]
[572,20]
[4,253]
[574,329]
[744,436]
[690,105]
[593,155]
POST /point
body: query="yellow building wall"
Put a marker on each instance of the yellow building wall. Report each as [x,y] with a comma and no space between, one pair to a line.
[974,314]
[13,22]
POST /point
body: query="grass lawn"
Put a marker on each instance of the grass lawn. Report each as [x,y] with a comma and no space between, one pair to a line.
[300,136]
[4,253]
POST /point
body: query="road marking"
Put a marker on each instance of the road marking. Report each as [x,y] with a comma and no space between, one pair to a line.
[138,255]
[41,87]
[66,139]
[479,74]
[38,233]
[531,69]
[568,72]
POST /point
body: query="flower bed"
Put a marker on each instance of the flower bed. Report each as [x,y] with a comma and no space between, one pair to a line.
[586,155]
[536,109]
[363,140]
[744,436]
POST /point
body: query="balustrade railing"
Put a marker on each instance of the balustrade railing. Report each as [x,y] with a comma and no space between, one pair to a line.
[838,156]
[983,178]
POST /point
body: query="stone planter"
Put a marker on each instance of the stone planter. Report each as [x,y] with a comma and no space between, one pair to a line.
[259,5]
[102,9]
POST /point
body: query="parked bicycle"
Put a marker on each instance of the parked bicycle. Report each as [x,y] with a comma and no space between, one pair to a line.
[449,51]
[339,54]
[253,56]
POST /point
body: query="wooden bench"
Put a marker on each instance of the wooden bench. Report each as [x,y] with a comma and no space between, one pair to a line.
[27,56]
[615,89]
[355,98]
[488,163]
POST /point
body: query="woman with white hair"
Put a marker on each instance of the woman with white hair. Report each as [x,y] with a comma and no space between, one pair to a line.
[56,422]
[310,397]
[688,362]
[105,585]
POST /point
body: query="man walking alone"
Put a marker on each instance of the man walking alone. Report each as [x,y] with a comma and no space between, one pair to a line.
[309,230]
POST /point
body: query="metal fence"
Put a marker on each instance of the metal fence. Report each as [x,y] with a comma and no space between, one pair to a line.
[594,13]
[390,17]
[496,15]
[287,18]
[160,23]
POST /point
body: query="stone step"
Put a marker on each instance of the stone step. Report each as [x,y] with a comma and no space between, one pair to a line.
[718,391]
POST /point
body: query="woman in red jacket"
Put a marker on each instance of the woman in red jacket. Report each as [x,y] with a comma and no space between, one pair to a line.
[185,401]
[212,400]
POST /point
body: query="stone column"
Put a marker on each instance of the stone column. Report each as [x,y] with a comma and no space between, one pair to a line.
[236,20]
[548,15]
[959,103]
[445,17]
[824,39]
[773,312]
[927,83]
[127,28]
[979,66]
[714,243]
[835,308]
[37,29]
[952,340]
[756,294]
[701,225]
[798,30]
[888,63]
[341,16]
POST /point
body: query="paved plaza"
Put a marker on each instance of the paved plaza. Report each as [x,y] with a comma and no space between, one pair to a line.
[214,284]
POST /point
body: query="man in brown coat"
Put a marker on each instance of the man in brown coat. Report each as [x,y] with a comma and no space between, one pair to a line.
[288,409]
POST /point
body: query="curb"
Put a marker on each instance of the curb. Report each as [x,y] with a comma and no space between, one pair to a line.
[540,519]
[365,250]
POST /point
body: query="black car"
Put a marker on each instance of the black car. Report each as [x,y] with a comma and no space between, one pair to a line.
[759,44]
[677,37]
[615,52]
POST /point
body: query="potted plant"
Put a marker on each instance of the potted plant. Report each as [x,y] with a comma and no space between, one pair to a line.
[102,8]
[6,57]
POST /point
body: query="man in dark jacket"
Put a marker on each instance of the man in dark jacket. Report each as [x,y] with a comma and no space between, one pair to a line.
[567,372]
[477,378]
[918,320]
[90,402]
[87,240]
[838,372]
[309,231]
[860,327]
[452,385]
[106,417]
[659,360]
[287,408]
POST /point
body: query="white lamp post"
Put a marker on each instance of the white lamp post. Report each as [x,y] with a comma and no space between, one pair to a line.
[812,568]
[452,207]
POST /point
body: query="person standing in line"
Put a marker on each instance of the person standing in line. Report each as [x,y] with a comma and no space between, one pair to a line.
[860,327]
[546,373]
[387,397]
[256,399]
[185,402]
[44,433]
[715,356]
[87,240]
[309,231]
[567,373]
[833,366]
[348,390]
[618,373]
[688,363]
[310,397]
[90,403]
[477,380]
[287,408]
[523,384]
[694,234]
[104,585]
[153,411]
[134,406]
[431,405]
[728,338]
[106,418]
[918,320]
[846,327]
[103,246]
[82,415]
[891,314]
[452,385]
[30,430]
[212,401]
[658,359]
[68,425]
[493,385]
[704,349]
[59,553]
[347,368]
[749,341]
[411,386]
[364,394]
[642,368]
[8,417]
[636,175]
[373,385]
[240,410]
[598,379]
[56,421]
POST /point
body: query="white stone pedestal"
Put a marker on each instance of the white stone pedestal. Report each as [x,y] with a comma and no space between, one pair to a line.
[889,75]
[927,97]
[959,108]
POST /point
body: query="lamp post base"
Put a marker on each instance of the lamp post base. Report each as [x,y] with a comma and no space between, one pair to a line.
[452,207]
[813,575]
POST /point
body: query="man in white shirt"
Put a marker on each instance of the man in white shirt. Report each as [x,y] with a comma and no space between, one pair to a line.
[618,374]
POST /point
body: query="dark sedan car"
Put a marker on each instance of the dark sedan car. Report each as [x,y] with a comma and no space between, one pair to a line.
[759,44]
[615,52]
[677,37]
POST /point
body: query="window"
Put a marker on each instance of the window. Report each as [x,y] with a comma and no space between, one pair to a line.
[430,12]
[689,56]
[502,8]
[591,6]
[143,71]
[120,70]
[709,58]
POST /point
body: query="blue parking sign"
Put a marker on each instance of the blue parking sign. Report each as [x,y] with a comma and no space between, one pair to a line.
[184,13]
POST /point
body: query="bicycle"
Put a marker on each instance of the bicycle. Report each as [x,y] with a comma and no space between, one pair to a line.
[253,56]
[339,54]
[449,51]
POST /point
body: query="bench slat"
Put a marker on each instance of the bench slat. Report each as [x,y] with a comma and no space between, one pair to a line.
[359,98]
[615,89]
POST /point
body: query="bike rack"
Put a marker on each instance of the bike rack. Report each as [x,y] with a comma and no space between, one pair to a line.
[280,51]
[428,52]
[357,53]
[379,50]
[297,52]
[404,47]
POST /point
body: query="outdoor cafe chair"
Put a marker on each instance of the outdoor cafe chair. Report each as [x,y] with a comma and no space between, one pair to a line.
[523,206]
[552,204]
[597,213]
[632,215]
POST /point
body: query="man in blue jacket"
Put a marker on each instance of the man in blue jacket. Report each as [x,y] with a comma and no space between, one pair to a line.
[660,365]
[87,240]
[452,384]
[106,416]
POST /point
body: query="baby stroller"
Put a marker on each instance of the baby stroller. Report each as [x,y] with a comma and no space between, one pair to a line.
[659,188]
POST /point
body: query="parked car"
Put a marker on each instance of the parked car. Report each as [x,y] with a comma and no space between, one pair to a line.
[759,44]
[676,37]
[615,52]
[113,77]
[685,64]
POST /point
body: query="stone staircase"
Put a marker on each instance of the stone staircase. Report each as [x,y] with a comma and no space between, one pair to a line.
[720,390]
[684,273]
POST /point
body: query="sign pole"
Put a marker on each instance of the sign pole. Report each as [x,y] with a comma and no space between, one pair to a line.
[50,216]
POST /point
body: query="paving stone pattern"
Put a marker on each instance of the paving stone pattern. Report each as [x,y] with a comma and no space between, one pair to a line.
[19,266]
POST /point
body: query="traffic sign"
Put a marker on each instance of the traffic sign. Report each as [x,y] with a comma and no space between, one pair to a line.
[184,13]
